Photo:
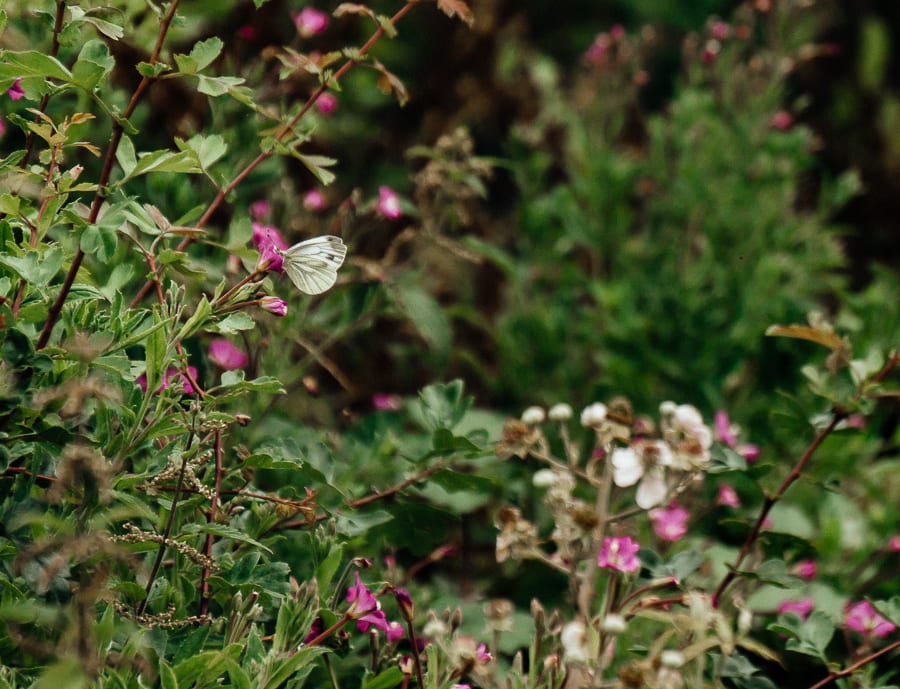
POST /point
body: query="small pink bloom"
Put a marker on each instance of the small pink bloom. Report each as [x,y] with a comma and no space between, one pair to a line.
[748,452]
[598,50]
[782,120]
[385,402]
[258,211]
[389,203]
[856,421]
[315,629]
[171,373]
[226,355]
[482,655]
[2,128]
[669,523]
[405,603]
[767,523]
[314,200]
[724,432]
[310,21]
[15,91]
[247,32]
[617,32]
[861,617]
[268,241]
[394,631]
[710,51]
[728,496]
[894,544]
[461,686]
[720,30]
[619,553]
[806,569]
[274,305]
[327,103]
[801,607]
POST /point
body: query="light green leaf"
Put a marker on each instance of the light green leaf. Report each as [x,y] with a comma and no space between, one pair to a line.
[316,165]
[233,323]
[223,531]
[164,161]
[426,315]
[30,63]
[94,63]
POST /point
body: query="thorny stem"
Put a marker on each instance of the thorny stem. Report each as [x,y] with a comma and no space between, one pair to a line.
[850,669]
[223,192]
[118,129]
[213,511]
[837,416]
[170,522]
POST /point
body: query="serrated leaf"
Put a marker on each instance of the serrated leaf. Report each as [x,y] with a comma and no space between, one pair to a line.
[442,405]
[151,71]
[208,149]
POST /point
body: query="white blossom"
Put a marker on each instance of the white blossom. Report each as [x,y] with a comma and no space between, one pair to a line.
[533,416]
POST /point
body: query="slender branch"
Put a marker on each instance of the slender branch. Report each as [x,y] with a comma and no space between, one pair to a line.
[836,417]
[770,500]
[398,487]
[118,129]
[850,669]
[283,133]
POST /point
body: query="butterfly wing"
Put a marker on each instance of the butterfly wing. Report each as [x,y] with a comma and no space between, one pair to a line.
[312,265]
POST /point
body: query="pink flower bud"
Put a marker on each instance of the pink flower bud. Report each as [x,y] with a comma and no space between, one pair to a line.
[327,103]
[274,305]
[310,21]
[388,203]
[15,92]
[314,200]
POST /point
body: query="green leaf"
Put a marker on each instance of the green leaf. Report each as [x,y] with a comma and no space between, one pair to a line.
[316,164]
[233,323]
[329,566]
[441,405]
[66,672]
[151,71]
[34,267]
[208,149]
[812,635]
[167,678]
[94,63]
[388,679]
[204,52]
[426,315]
[30,63]
[164,161]
[220,86]
[223,531]
[197,321]
[125,156]
[99,241]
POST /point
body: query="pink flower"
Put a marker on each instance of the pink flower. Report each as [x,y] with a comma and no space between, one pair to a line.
[598,50]
[247,32]
[801,607]
[720,30]
[862,617]
[2,128]
[725,434]
[405,603]
[806,569]
[619,553]
[394,632]
[669,523]
[782,120]
[314,200]
[226,355]
[171,373]
[310,21]
[259,210]
[894,544]
[327,103]
[385,402]
[267,239]
[389,203]
[617,32]
[728,496]
[361,599]
[15,91]
[274,305]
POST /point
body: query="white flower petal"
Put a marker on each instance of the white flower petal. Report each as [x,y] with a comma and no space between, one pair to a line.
[652,490]
[627,467]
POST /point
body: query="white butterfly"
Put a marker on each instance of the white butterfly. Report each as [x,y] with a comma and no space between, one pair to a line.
[312,265]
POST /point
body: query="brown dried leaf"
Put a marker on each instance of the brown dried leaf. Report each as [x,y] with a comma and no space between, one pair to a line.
[826,338]
[457,8]
[353,8]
